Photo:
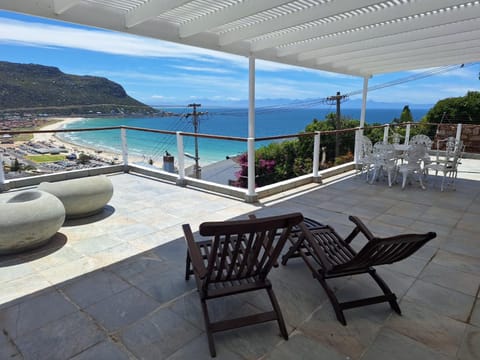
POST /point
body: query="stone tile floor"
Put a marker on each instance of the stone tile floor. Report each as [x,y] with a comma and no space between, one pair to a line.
[112,286]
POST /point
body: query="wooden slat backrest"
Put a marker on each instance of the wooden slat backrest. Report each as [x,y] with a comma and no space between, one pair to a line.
[379,251]
[335,250]
[246,248]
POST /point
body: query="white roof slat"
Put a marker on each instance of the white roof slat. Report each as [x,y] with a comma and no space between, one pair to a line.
[379,30]
[356,37]
[350,21]
[416,64]
[458,40]
[116,4]
[149,10]
[321,9]
[444,51]
[60,6]
[193,10]
[226,15]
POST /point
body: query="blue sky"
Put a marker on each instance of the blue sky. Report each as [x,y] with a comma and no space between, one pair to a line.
[162,73]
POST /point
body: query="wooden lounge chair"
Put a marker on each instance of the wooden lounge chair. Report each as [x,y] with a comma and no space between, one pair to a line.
[328,255]
[237,259]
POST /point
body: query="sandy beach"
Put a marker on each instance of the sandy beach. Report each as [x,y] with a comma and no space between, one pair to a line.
[108,156]
[56,141]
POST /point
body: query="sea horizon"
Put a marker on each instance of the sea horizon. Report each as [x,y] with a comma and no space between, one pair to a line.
[214,121]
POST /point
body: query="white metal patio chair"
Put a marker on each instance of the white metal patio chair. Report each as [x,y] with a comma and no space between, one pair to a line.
[413,164]
[365,158]
[447,162]
[384,160]
[425,140]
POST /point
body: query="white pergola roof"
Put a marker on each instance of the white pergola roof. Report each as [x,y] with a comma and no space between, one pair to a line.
[357,37]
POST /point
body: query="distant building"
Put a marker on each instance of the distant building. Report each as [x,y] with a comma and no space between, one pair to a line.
[6,139]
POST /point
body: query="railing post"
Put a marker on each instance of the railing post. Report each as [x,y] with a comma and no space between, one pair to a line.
[123,134]
[385,133]
[359,133]
[458,136]
[407,134]
[251,194]
[2,174]
[181,160]
[316,157]
[358,142]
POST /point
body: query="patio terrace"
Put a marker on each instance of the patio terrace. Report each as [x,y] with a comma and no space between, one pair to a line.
[112,286]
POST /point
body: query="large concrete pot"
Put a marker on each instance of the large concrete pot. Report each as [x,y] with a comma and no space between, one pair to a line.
[28,219]
[81,197]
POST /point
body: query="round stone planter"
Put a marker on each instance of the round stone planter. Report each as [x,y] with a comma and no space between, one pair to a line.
[28,220]
[83,196]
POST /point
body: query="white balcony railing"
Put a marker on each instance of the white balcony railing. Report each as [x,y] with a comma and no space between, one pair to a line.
[180,177]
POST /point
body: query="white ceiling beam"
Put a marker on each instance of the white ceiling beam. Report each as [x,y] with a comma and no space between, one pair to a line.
[270,55]
[60,6]
[394,39]
[415,65]
[470,47]
[473,52]
[149,10]
[400,47]
[408,61]
[356,21]
[227,15]
[443,18]
[293,19]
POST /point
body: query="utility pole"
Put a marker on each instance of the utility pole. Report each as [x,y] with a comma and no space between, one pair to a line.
[195,122]
[337,100]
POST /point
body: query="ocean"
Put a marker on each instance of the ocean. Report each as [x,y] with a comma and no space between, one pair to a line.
[216,121]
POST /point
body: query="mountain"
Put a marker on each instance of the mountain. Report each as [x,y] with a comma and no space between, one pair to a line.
[31,87]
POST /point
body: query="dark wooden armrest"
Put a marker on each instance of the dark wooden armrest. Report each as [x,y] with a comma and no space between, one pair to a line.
[195,255]
[359,228]
[407,238]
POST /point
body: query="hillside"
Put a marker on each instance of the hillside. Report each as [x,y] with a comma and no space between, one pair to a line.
[44,88]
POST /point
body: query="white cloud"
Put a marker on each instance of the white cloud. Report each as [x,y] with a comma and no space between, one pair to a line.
[46,35]
[203,69]
[60,36]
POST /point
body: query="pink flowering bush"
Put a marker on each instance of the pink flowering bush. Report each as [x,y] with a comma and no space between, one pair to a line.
[264,171]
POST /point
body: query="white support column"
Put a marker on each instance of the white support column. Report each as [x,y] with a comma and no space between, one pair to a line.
[385,133]
[407,134]
[251,97]
[458,136]
[316,157]
[359,133]
[2,174]
[364,102]
[251,194]
[181,160]
[123,134]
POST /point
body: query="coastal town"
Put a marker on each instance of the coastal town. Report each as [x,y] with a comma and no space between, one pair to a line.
[27,155]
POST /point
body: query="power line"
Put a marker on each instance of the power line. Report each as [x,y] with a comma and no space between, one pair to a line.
[327,101]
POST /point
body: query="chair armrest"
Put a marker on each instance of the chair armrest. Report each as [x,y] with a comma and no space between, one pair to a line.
[194,252]
[361,227]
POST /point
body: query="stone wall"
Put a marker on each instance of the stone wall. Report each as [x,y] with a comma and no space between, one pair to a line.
[470,136]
